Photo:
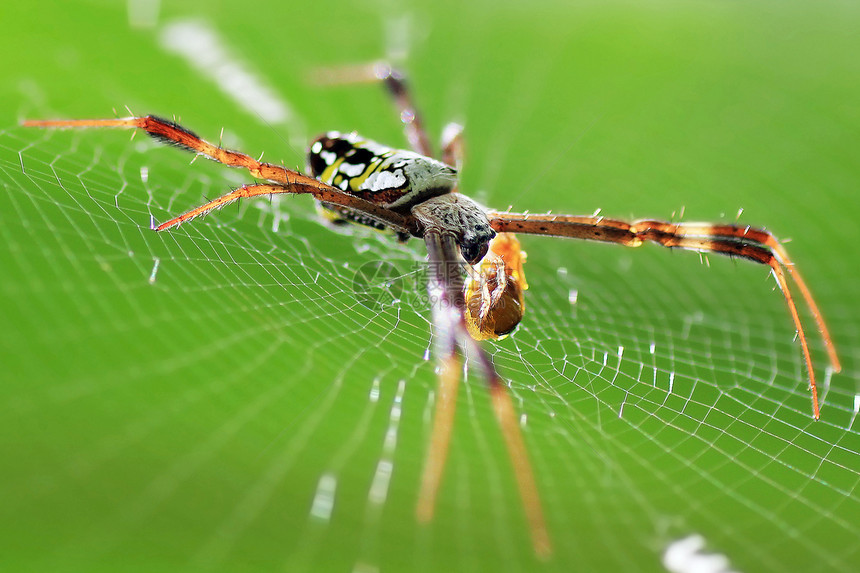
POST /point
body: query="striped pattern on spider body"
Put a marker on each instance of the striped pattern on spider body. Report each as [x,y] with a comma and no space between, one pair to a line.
[392,178]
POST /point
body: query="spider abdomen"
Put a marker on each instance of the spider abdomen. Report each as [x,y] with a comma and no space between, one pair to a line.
[392,178]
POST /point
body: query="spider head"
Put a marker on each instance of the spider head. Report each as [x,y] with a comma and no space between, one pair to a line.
[475,243]
[457,216]
[474,229]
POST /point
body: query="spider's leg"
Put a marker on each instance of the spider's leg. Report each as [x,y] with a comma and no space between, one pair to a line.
[287,180]
[321,191]
[443,423]
[395,84]
[445,288]
[172,133]
[753,236]
[733,240]
[413,125]
[517,451]
[442,291]
[453,147]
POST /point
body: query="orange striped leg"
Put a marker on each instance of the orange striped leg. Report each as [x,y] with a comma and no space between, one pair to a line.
[395,84]
[323,193]
[287,180]
[446,293]
[733,240]
[172,133]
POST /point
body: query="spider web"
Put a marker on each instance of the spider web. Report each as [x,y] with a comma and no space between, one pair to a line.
[221,397]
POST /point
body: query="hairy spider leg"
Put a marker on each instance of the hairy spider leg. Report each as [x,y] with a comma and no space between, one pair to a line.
[452,136]
[288,181]
[764,237]
[395,84]
[445,259]
[454,328]
[757,245]
[413,125]
[446,293]
[453,145]
[443,423]
[395,221]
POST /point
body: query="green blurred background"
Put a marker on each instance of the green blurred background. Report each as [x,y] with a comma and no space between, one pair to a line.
[186,421]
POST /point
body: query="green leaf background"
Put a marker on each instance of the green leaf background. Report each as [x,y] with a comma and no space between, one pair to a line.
[184,417]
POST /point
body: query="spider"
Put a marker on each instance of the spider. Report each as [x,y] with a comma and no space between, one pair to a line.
[415,195]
